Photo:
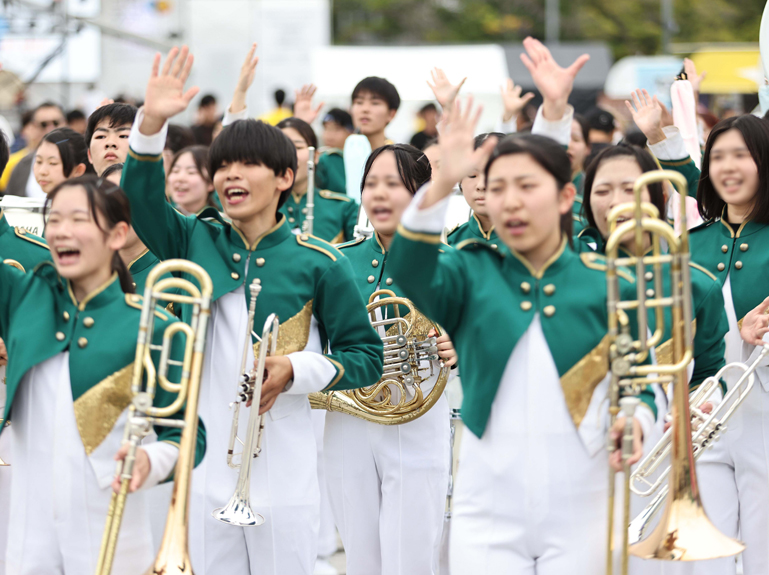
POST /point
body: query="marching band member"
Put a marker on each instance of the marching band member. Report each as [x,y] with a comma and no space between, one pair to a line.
[68,393]
[305,281]
[733,244]
[335,215]
[532,405]
[62,154]
[188,184]
[107,135]
[383,478]
[479,226]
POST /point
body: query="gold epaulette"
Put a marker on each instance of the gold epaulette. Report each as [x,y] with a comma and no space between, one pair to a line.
[329,195]
[25,235]
[135,301]
[595,261]
[472,243]
[351,243]
[324,247]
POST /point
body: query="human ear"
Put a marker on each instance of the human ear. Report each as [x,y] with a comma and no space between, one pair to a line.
[285,181]
[391,115]
[566,198]
[78,171]
[117,236]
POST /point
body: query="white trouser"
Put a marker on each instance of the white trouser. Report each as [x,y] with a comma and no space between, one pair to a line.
[327,543]
[284,478]
[388,485]
[58,509]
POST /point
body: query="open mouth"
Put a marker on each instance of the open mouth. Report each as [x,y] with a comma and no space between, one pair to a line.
[235,196]
[381,213]
[67,256]
[732,185]
[516,227]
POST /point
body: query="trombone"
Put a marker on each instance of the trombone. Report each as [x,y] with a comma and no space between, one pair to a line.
[309,220]
[238,510]
[173,556]
[684,532]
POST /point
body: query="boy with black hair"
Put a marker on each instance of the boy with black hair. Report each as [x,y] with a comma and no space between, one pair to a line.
[107,134]
[306,282]
[77,121]
[329,174]
[430,116]
[375,101]
[208,115]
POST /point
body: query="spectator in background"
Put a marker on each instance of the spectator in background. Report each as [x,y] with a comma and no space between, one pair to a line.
[208,115]
[77,121]
[26,125]
[601,125]
[178,138]
[329,174]
[430,116]
[280,113]
[18,178]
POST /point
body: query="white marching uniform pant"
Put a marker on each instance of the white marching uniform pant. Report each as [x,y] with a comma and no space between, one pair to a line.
[327,544]
[284,478]
[387,485]
[531,495]
[58,505]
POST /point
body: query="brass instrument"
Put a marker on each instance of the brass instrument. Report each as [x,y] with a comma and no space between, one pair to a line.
[4,423]
[397,397]
[684,532]
[173,556]
[309,219]
[238,510]
[707,429]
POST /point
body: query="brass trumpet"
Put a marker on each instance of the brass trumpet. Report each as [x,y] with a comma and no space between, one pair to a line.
[173,556]
[17,265]
[238,510]
[309,220]
[397,397]
[684,532]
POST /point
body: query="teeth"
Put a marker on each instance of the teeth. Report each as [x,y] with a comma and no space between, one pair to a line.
[236,192]
[67,251]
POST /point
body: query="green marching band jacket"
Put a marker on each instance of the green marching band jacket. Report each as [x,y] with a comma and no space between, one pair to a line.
[335,215]
[19,245]
[580,223]
[569,293]
[709,317]
[302,276]
[471,230]
[742,255]
[329,173]
[100,333]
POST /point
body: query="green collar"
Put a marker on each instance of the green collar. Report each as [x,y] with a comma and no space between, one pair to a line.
[376,245]
[559,259]
[101,296]
[302,199]
[145,260]
[747,228]
[4,225]
[477,230]
[272,237]
[593,235]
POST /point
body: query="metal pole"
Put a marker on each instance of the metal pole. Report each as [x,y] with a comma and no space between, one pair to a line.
[552,21]
[668,24]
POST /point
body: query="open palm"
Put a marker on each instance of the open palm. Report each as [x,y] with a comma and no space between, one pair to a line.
[552,80]
[165,96]
[646,111]
[445,92]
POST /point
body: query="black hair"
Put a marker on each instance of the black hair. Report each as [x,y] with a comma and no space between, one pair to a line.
[108,200]
[339,116]
[178,138]
[644,160]
[5,153]
[280,97]
[600,120]
[547,153]
[27,118]
[428,108]
[584,127]
[755,132]
[431,142]
[74,116]
[200,159]
[480,138]
[47,104]
[413,166]
[111,169]
[635,138]
[304,129]
[207,100]
[254,142]
[118,114]
[72,149]
[378,87]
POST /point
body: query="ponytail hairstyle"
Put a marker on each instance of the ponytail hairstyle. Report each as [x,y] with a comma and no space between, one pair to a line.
[72,150]
[108,203]
[413,166]
[549,154]
[644,160]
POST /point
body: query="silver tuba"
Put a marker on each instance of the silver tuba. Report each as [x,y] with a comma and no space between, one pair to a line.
[238,510]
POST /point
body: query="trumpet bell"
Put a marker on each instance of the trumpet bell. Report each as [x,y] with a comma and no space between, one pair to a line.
[238,513]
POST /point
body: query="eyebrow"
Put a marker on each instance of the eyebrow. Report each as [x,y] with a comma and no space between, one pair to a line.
[732,149]
[120,129]
[602,182]
[77,210]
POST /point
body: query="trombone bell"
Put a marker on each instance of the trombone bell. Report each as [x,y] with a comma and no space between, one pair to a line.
[238,512]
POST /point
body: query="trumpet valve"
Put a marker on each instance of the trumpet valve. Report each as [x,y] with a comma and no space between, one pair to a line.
[142,402]
[405,368]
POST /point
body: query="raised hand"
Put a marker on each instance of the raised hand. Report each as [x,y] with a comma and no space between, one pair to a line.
[691,75]
[303,104]
[647,114]
[245,80]
[512,100]
[553,81]
[458,158]
[165,96]
[445,92]
[756,324]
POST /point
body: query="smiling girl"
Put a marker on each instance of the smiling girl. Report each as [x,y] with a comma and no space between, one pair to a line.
[61,154]
[188,184]
[382,477]
[68,391]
